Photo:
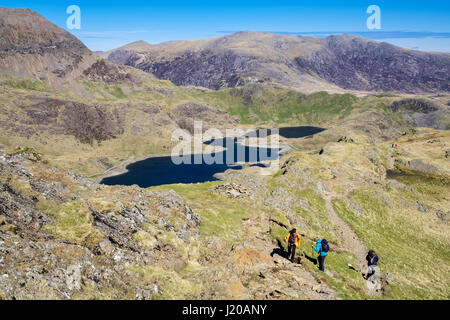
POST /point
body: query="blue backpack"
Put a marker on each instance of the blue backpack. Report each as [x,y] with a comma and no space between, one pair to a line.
[325,245]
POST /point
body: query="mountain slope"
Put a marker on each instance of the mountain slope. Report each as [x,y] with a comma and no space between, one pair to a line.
[33,47]
[306,63]
[230,61]
[64,236]
[355,63]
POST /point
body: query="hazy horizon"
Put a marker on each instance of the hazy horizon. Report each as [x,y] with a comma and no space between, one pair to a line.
[399,38]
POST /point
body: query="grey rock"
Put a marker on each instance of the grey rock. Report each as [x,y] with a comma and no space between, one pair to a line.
[346,60]
[443,216]
[422,207]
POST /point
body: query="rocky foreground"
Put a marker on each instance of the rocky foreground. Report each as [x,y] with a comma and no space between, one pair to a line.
[63,236]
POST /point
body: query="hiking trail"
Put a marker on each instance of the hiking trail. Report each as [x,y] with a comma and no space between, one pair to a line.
[350,241]
[290,279]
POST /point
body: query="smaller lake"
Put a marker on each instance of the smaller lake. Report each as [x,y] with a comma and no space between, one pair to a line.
[161,170]
[291,132]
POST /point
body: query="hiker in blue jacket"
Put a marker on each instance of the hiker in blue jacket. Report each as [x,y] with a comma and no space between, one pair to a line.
[372,263]
[321,248]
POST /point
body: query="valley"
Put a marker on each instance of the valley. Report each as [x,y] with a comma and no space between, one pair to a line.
[92,207]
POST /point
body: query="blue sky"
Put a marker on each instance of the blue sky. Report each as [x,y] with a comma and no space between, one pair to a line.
[107,24]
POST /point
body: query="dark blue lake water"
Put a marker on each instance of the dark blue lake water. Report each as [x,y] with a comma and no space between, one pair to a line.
[161,170]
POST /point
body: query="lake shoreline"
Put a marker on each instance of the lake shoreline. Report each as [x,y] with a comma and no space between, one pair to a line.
[121,168]
[163,169]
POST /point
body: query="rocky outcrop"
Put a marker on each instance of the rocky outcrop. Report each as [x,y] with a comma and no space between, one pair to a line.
[106,72]
[186,113]
[418,165]
[419,113]
[205,69]
[355,63]
[413,105]
[124,57]
[231,190]
[87,123]
[38,260]
[91,123]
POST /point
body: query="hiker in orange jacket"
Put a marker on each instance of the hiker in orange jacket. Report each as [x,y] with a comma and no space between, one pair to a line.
[294,241]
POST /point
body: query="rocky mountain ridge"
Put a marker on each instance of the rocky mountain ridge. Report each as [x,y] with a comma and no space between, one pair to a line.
[33,47]
[305,63]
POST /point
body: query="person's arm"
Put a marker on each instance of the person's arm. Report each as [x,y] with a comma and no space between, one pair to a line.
[319,246]
[375,261]
[286,238]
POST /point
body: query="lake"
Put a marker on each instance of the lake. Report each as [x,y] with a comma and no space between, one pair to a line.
[293,132]
[155,171]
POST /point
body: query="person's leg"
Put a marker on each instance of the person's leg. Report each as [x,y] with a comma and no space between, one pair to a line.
[289,251]
[321,261]
[370,272]
[293,253]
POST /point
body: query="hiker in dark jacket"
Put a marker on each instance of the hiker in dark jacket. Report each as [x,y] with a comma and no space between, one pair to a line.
[322,254]
[294,241]
[372,263]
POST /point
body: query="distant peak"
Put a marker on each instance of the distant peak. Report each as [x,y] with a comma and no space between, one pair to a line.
[140,42]
[136,45]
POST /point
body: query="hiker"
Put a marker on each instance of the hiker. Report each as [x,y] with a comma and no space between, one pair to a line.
[372,263]
[321,248]
[293,239]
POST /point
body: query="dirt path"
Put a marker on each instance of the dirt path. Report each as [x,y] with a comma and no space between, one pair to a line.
[350,239]
[351,242]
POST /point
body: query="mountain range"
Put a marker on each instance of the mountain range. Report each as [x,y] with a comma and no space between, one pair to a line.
[304,63]
[33,46]
[375,175]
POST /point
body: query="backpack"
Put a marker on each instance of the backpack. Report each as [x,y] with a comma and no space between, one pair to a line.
[325,245]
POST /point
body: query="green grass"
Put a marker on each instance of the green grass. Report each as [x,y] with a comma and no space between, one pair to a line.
[280,218]
[6,227]
[435,187]
[72,222]
[117,92]
[224,223]
[349,284]
[314,199]
[286,106]
[255,104]
[27,84]
[174,285]
[221,216]
[408,250]
[278,233]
